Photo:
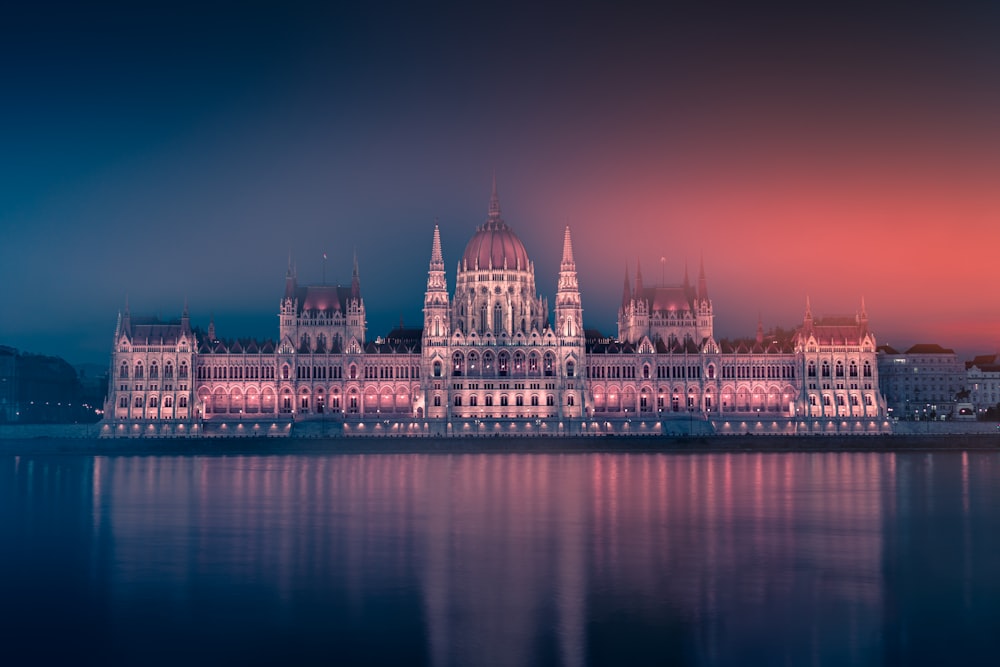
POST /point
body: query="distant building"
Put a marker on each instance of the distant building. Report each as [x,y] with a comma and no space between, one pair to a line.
[8,384]
[489,359]
[983,377]
[921,383]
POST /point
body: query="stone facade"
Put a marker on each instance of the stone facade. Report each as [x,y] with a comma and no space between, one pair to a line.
[488,359]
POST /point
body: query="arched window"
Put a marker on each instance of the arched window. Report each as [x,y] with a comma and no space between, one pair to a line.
[489,400]
[154,371]
[503,362]
[168,371]
[437,369]
[285,372]
[549,363]
[183,371]
[458,401]
[811,371]
[826,369]
[473,400]
[437,401]
[645,371]
[571,369]
[457,364]
[569,400]
[488,362]
[123,371]
[519,362]
[840,369]
[503,400]
[138,371]
[868,370]
[853,369]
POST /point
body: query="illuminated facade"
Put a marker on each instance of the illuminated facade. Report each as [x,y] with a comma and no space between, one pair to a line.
[488,359]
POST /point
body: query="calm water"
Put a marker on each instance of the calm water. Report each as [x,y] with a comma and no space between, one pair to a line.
[571,559]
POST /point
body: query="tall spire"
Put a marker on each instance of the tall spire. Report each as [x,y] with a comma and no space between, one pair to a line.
[760,328]
[809,312]
[567,256]
[437,258]
[494,202]
[355,279]
[864,310]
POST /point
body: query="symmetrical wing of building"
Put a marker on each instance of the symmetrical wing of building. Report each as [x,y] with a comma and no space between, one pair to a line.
[490,358]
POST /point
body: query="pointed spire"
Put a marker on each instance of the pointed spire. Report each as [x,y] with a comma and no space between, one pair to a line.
[864,310]
[437,257]
[355,279]
[567,256]
[290,278]
[809,314]
[126,317]
[211,328]
[494,202]
[760,329]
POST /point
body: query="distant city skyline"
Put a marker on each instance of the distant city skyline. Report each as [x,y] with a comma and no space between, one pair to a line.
[829,151]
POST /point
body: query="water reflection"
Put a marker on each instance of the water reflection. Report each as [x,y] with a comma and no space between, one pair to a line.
[845,558]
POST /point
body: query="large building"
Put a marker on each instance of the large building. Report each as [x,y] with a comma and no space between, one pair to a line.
[924,382]
[489,359]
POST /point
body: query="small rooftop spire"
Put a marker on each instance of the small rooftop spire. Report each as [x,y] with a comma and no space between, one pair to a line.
[355,279]
[494,201]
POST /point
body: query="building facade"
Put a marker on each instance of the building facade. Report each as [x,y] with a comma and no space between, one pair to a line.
[924,382]
[490,359]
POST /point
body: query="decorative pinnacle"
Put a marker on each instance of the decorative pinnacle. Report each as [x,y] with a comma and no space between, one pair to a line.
[436,255]
[494,201]
[567,257]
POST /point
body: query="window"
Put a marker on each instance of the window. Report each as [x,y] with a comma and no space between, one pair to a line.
[458,401]
[138,371]
[123,402]
[437,401]
[123,371]
[182,402]
[569,400]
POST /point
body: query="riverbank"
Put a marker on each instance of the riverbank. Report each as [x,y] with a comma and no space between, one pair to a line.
[478,445]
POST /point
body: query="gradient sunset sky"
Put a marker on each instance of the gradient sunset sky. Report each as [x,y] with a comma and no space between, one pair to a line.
[166,151]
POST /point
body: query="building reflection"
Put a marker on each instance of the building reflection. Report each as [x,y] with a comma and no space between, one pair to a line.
[571,559]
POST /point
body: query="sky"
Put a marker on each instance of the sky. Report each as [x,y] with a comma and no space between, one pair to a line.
[172,152]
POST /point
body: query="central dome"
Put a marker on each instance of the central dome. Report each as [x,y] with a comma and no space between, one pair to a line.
[495,245]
